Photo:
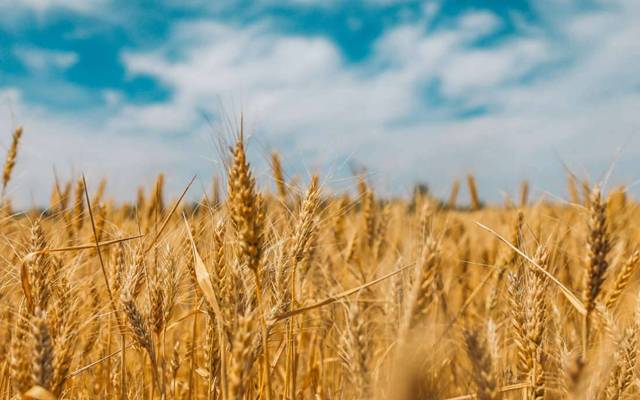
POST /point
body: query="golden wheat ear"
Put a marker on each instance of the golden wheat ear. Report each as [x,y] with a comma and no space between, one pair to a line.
[278,176]
[473,192]
[482,369]
[453,195]
[597,263]
[12,155]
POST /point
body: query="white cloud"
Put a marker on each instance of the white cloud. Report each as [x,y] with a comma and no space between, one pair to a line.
[478,23]
[74,145]
[299,88]
[14,16]
[567,92]
[474,70]
[43,60]
[41,7]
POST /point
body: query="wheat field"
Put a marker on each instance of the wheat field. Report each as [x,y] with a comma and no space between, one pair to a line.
[300,293]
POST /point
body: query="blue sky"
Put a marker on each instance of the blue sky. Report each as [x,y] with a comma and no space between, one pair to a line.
[412,91]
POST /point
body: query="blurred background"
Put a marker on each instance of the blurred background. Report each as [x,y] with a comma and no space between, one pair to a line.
[409,92]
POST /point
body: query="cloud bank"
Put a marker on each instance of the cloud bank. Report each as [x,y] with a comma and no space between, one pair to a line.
[430,102]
